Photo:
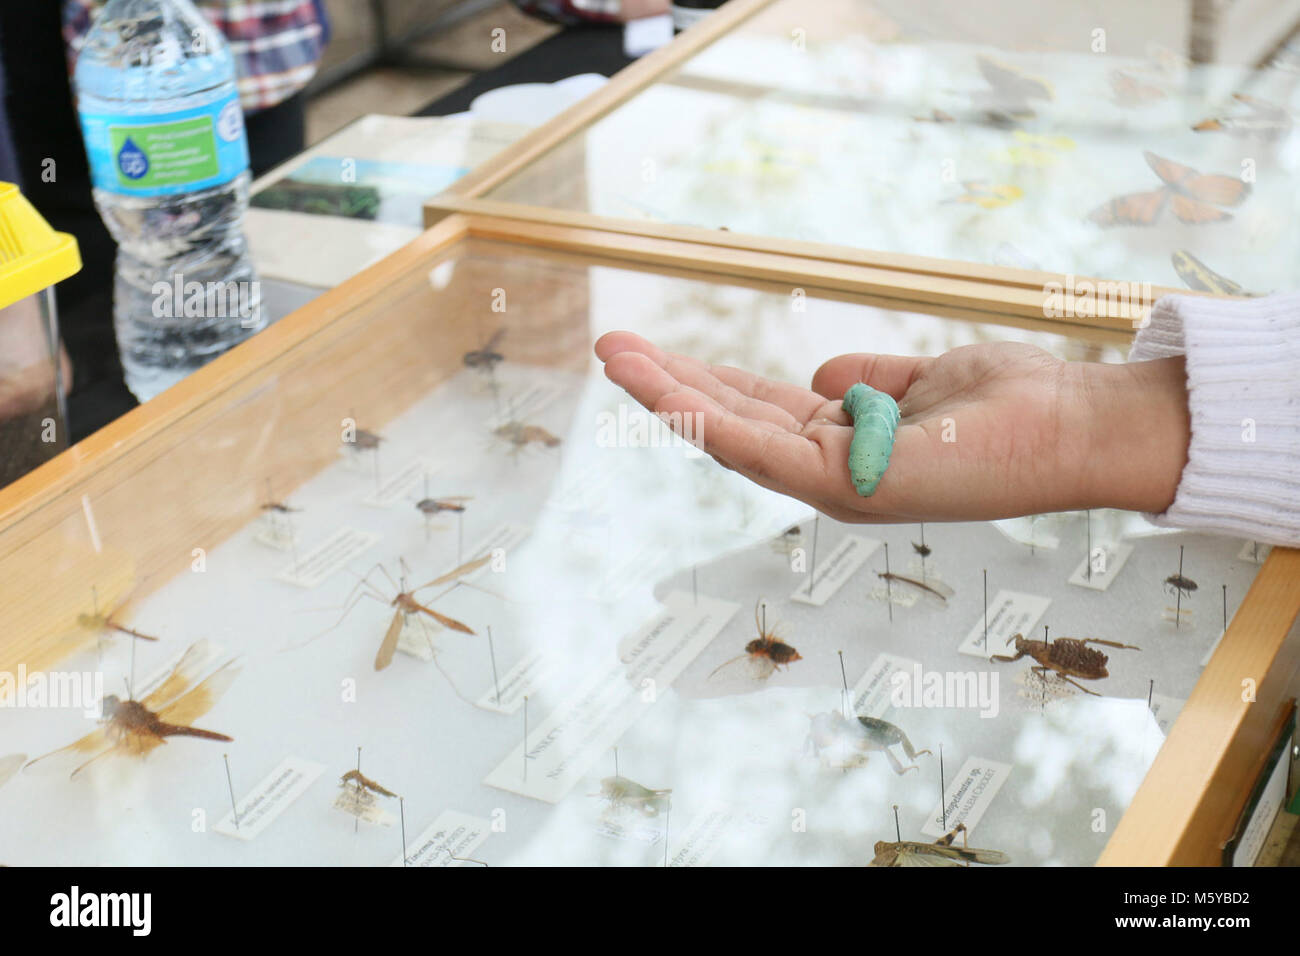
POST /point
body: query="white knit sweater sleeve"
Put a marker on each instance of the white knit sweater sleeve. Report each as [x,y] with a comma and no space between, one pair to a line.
[1243,389]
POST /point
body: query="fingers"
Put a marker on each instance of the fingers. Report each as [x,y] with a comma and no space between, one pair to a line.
[891,374]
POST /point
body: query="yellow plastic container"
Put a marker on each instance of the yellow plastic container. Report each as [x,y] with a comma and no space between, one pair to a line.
[33,257]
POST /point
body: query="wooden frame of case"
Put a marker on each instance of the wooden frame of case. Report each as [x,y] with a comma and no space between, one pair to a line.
[1190,799]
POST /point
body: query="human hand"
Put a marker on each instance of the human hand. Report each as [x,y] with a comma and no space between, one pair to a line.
[987,431]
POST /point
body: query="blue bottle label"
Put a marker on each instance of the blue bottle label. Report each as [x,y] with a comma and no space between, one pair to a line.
[167,153]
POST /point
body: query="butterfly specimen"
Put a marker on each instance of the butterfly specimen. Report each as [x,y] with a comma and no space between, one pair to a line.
[1193,197]
[988,196]
[1012,91]
[939,853]
[623,793]
[1197,275]
[1262,119]
[764,653]
[135,727]
[486,358]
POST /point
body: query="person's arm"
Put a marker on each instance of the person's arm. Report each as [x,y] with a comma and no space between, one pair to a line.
[1242,360]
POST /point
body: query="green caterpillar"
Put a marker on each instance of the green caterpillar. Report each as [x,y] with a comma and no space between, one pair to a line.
[875,419]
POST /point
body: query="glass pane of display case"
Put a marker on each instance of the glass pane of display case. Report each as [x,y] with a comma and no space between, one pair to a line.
[454,598]
[1132,142]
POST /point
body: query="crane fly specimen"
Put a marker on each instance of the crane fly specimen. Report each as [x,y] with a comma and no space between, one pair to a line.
[98,622]
[939,853]
[1069,657]
[139,726]
[833,731]
[764,653]
[622,793]
[405,604]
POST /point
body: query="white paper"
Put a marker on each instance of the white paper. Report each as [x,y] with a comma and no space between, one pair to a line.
[969,795]
[1100,580]
[327,558]
[830,571]
[519,680]
[453,834]
[1010,613]
[270,798]
[872,691]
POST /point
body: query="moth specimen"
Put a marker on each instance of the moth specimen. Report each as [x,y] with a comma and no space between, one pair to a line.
[136,727]
[622,793]
[939,853]
[1068,657]
[833,731]
[1193,197]
[764,653]
[519,435]
[1011,92]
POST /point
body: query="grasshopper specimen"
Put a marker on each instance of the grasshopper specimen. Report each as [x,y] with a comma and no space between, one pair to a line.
[361,782]
[624,793]
[939,853]
[865,735]
[1069,657]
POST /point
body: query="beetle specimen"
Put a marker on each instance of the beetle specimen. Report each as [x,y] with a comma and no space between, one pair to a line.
[100,622]
[623,793]
[519,435]
[1069,657]
[766,652]
[867,734]
[139,726]
[10,765]
[486,358]
[939,853]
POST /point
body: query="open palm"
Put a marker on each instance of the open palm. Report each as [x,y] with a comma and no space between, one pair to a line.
[987,430]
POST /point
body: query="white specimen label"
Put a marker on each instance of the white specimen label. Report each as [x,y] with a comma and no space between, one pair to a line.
[504,538]
[1261,820]
[968,796]
[400,485]
[364,805]
[872,691]
[453,834]
[563,747]
[1254,552]
[1010,613]
[706,832]
[1166,711]
[275,531]
[1100,577]
[277,790]
[521,679]
[325,559]
[416,637]
[828,573]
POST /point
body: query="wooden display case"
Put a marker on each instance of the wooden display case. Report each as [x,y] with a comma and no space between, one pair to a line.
[159,507]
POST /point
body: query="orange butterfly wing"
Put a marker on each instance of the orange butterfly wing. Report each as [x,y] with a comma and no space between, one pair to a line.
[1135,209]
[1196,213]
[1220,190]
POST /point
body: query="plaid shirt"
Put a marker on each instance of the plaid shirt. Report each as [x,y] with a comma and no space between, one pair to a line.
[276,43]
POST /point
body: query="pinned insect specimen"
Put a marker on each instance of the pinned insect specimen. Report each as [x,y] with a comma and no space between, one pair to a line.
[764,653]
[363,440]
[922,549]
[1012,91]
[432,506]
[1131,91]
[1191,196]
[520,435]
[486,358]
[1179,585]
[139,726]
[625,794]
[1068,657]
[98,621]
[10,765]
[939,853]
[1264,120]
[833,731]
[360,781]
[1197,275]
[789,539]
[932,589]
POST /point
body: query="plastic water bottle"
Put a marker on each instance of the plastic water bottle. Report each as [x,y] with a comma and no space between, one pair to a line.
[169,160]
